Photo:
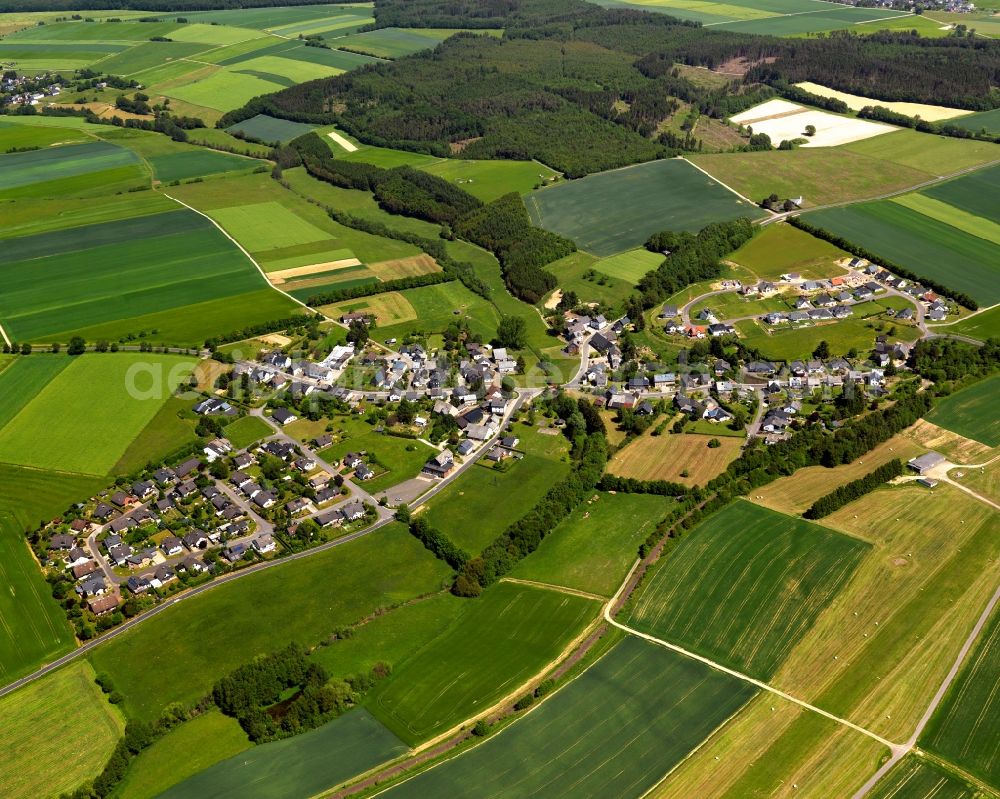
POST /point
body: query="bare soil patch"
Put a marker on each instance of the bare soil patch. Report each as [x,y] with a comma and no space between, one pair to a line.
[415,265]
[664,457]
[277,278]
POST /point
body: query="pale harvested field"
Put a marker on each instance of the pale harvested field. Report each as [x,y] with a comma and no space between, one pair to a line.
[954,447]
[783,120]
[276,339]
[390,308]
[797,492]
[932,113]
[283,275]
[878,652]
[769,747]
[347,145]
[421,264]
[664,457]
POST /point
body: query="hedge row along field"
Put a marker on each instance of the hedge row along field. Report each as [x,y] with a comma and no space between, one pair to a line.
[111,275]
[614,731]
[745,585]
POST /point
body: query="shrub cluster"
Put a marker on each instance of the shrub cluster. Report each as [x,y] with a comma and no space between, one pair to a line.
[438,543]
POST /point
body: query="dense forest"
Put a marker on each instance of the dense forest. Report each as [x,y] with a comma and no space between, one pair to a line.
[585,89]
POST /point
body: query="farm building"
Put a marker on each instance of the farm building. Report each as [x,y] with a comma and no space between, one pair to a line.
[924,463]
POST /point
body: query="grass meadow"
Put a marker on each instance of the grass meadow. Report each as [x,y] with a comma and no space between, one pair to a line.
[244,432]
[745,585]
[165,659]
[982,326]
[618,210]
[938,157]
[964,727]
[593,549]
[186,750]
[482,502]
[84,419]
[779,249]
[403,458]
[973,412]
[305,765]
[169,430]
[629,266]
[666,456]
[917,778]
[505,638]
[879,650]
[58,733]
[489,180]
[615,730]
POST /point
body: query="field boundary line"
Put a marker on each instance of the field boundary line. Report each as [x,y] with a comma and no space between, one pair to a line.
[5,337]
[252,260]
[716,180]
[949,678]
[561,589]
[608,617]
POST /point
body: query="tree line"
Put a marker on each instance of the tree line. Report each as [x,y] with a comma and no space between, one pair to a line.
[853,490]
[861,252]
[883,114]
[436,541]
[378,287]
[590,455]
[149,5]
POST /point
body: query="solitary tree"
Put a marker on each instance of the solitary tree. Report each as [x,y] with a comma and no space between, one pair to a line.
[810,130]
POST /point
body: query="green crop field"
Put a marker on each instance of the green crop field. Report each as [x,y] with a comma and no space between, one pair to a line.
[482,502]
[629,266]
[924,245]
[974,193]
[305,765]
[34,628]
[267,18]
[488,180]
[963,729]
[391,637]
[34,495]
[745,585]
[58,733]
[116,272]
[780,248]
[973,412]
[22,379]
[952,216]
[186,750]
[267,226]
[224,90]
[191,325]
[615,731]
[985,120]
[244,432]
[47,172]
[593,549]
[13,135]
[383,156]
[395,42]
[269,129]
[504,639]
[196,163]
[618,210]
[165,659]
[916,778]
[85,417]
